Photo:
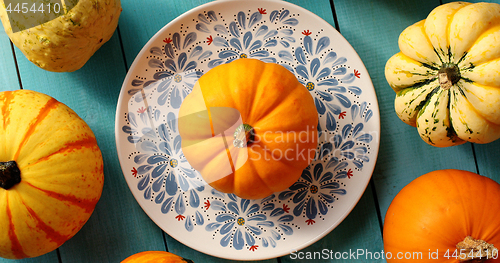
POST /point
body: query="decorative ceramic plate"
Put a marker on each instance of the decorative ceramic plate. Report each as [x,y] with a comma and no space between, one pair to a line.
[175,196]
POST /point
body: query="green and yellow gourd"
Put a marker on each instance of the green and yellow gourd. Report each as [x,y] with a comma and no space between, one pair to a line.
[66,43]
[447,74]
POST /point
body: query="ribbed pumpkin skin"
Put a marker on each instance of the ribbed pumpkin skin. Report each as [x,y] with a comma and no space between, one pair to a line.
[462,35]
[272,101]
[155,257]
[61,173]
[438,210]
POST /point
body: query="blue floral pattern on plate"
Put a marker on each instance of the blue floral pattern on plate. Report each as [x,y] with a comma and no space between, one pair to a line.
[173,192]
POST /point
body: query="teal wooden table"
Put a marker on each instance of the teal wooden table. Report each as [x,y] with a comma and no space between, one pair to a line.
[119,227]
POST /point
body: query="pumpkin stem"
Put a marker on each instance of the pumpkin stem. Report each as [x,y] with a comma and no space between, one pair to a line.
[243,136]
[476,250]
[448,75]
[10,174]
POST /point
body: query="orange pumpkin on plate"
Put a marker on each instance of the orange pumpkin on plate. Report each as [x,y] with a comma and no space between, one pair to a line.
[444,216]
[249,128]
[51,173]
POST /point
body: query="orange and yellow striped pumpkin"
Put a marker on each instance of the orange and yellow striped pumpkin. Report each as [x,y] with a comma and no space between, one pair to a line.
[51,173]
[155,257]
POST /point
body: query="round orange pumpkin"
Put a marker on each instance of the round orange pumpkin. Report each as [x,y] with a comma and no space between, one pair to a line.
[51,173]
[249,128]
[444,216]
[155,257]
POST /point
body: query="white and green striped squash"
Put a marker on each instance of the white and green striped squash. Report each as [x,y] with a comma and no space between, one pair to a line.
[447,74]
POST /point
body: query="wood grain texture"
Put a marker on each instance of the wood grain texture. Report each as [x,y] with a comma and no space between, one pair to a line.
[321,8]
[8,72]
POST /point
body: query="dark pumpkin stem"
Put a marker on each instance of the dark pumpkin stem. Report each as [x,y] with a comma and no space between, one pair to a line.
[449,75]
[243,136]
[476,250]
[10,174]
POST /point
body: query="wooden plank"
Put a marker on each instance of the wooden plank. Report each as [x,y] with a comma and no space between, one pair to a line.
[8,72]
[487,159]
[47,258]
[374,35]
[118,226]
[321,8]
[138,28]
